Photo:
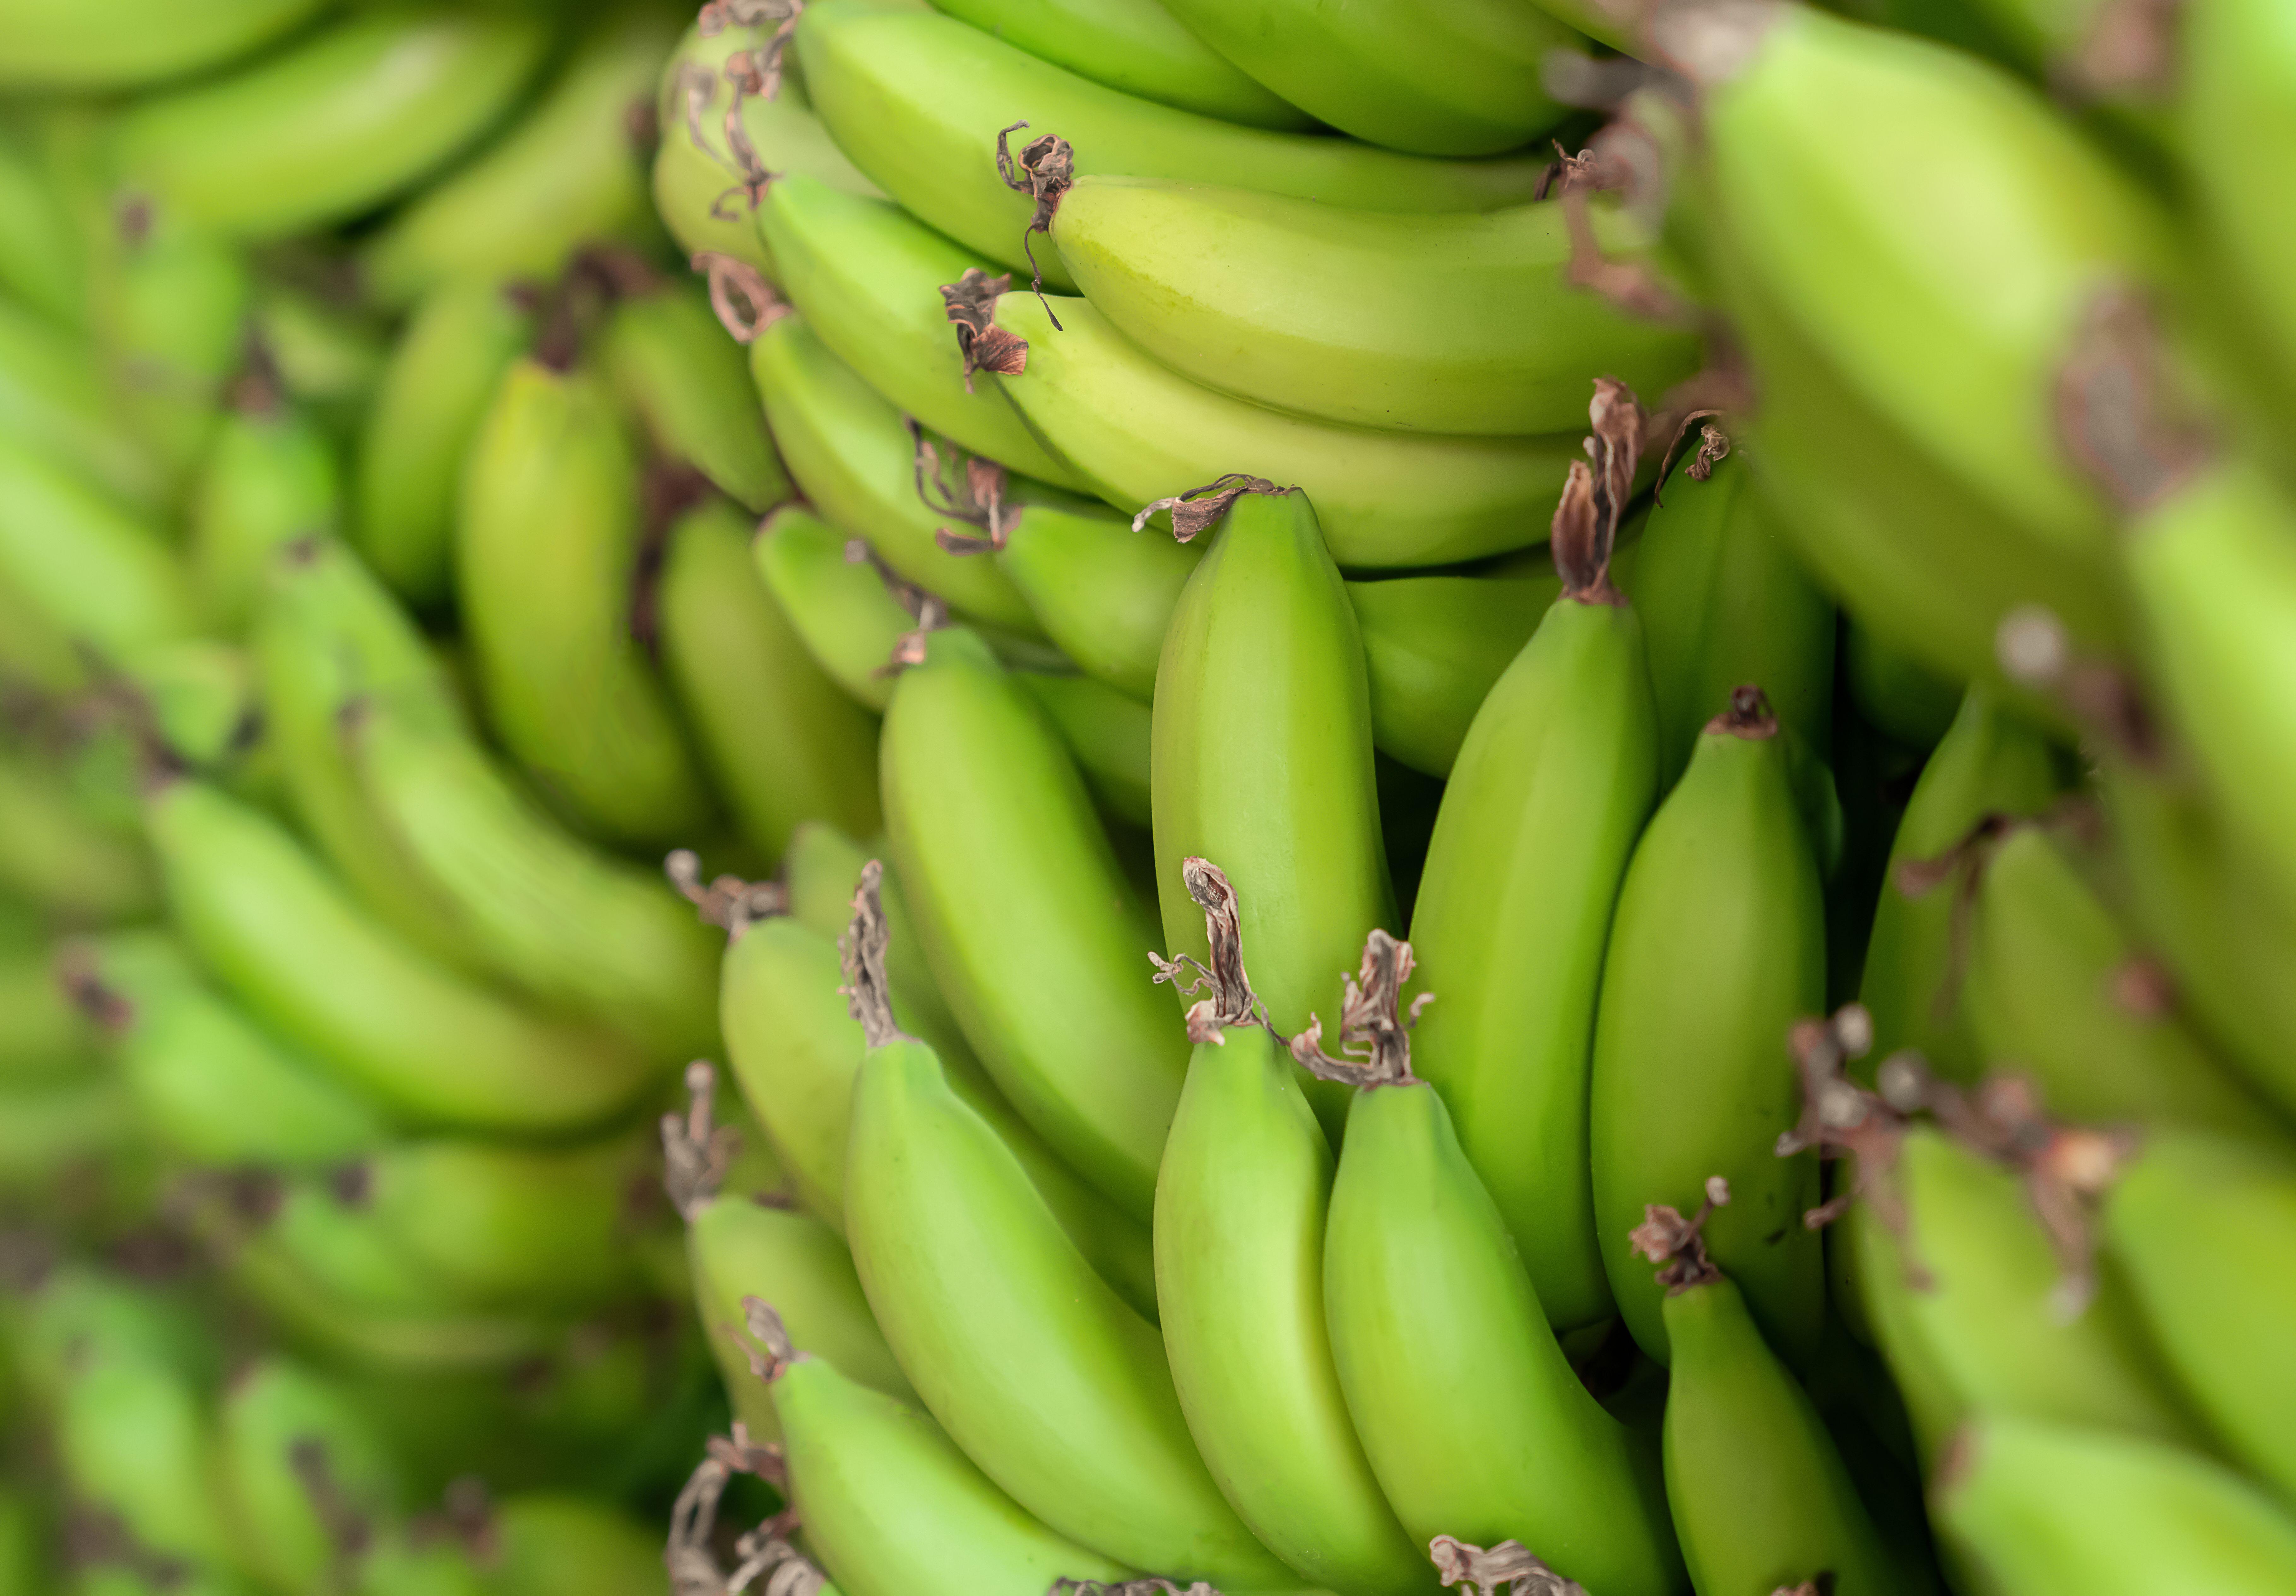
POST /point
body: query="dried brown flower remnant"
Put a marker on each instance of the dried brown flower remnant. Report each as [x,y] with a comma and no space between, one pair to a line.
[695,1153]
[1198,508]
[1374,1032]
[1229,1000]
[1508,1566]
[971,304]
[1045,170]
[1678,1245]
[2117,411]
[1595,494]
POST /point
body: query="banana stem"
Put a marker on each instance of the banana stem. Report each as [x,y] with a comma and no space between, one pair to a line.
[969,303]
[1678,1245]
[867,991]
[1045,170]
[1229,1000]
[1508,1564]
[728,901]
[1198,508]
[696,1154]
[1374,1033]
[1594,496]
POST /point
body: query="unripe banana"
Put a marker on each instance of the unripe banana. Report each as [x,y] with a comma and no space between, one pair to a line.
[1717,945]
[822,872]
[134,1439]
[44,1034]
[841,607]
[549,1544]
[1896,692]
[400,1563]
[1103,593]
[1026,918]
[784,742]
[322,1229]
[425,1042]
[442,377]
[674,367]
[2235,62]
[55,44]
[1137,47]
[1434,646]
[333,126]
[169,305]
[54,1134]
[545,550]
[43,259]
[328,350]
[53,398]
[79,1314]
[308,1478]
[916,100]
[1111,735]
[100,574]
[55,856]
[269,479]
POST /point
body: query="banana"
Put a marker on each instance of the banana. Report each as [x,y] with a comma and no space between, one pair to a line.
[995,840]
[209,1085]
[308,1478]
[1136,47]
[821,873]
[408,465]
[53,398]
[401,1562]
[566,174]
[1511,928]
[1718,945]
[833,593]
[1475,1426]
[269,479]
[674,367]
[1899,695]
[1239,1229]
[784,742]
[916,99]
[1464,323]
[44,1033]
[2056,1510]
[552,1544]
[1055,1387]
[79,1314]
[333,126]
[888,1501]
[134,1439]
[2234,63]
[169,305]
[59,1135]
[545,548]
[1140,432]
[102,576]
[52,852]
[1111,735]
[1101,592]
[422,1041]
[1990,762]
[1434,646]
[43,259]
[51,45]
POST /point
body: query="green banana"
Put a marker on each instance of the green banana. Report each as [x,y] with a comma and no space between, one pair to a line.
[1111,735]
[78,1313]
[135,1439]
[59,1134]
[821,873]
[2234,63]
[1238,1230]
[849,616]
[321,1227]
[51,43]
[199,698]
[1045,1378]
[100,575]
[44,1033]
[1026,919]
[546,541]
[328,348]
[333,126]
[169,305]
[408,465]
[1895,691]
[53,398]
[915,99]
[1103,593]
[400,1562]
[2059,1509]
[270,479]
[310,1479]
[1136,46]
[566,174]
[423,1042]
[1475,1426]
[554,1545]
[784,742]
[208,1083]
[1716,946]
[43,256]
[674,366]
[1511,928]
[53,854]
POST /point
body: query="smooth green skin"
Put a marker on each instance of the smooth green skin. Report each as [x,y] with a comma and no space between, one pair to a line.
[50,1130]
[1136,46]
[53,400]
[48,43]
[80,1314]
[1473,1421]
[1110,734]
[209,1085]
[1724,601]
[915,99]
[1760,1497]
[1435,646]
[1103,593]
[547,537]
[53,855]
[1990,761]
[840,609]
[854,461]
[43,257]
[2058,1510]
[407,468]
[822,871]
[866,277]
[1057,1388]
[270,478]
[1032,931]
[689,386]
[333,126]
[101,574]
[1238,1230]
[783,742]
[2213,571]
[134,1439]
[1718,947]
[2038,994]
[891,1506]
[1509,928]
[43,1035]
[403,1564]
[272,1408]
[330,355]
[1444,324]
[2237,122]
[263,916]
[204,703]
[568,1545]
[1140,431]
[1897,693]
[171,307]
[569,173]
[342,1251]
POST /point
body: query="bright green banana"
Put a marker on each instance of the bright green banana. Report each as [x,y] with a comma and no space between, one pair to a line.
[399,1562]
[208,1083]
[2059,1509]
[685,381]
[561,1545]
[1103,593]
[1046,1378]
[1441,324]
[79,1314]
[44,1033]
[544,548]
[1262,756]
[59,1135]
[309,1479]
[170,305]
[1990,762]
[408,464]
[2236,61]
[1031,930]
[822,871]
[204,705]
[270,479]
[135,1438]
[1511,927]
[916,99]
[334,126]
[425,1042]
[1717,947]
[100,575]
[1475,1425]
[1240,1201]
[329,351]
[53,852]
[43,256]
[784,742]
[568,175]
[1136,46]
[1896,692]
[53,398]
[842,608]
[55,45]
[1111,736]
[321,1227]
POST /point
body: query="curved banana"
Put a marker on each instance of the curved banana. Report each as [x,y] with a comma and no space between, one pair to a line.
[133,1439]
[848,616]
[1103,593]
[170,305]
[1027,922]
[1435,646]
[916,100]
[1137,46]
[269,479]
[54,1133]
[328,352]
[53,854]
[784,742]
[54,44]
[43,255]
[102,576]
[1474,1423]
[822,872]
[45,1035]
[2236,62]
[1717,947]
[544,548]
[306,1474]
[422,1041]
[1902,697]
[53,398]
[333,126]
[554,1541]
[686,381]
[1111,736]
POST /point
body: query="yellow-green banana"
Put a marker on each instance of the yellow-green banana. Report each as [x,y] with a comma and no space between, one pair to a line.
[43,256]
[842,607]
[684,380]
[269,479]
[2237,63]
[1103,593]
[822,872]
[1111,736]
[169,305]
[102,576]
[44,1033]
[72,865]
[55,45]
[309,1479]
[1135,46]
[54,397]
[133,1438]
